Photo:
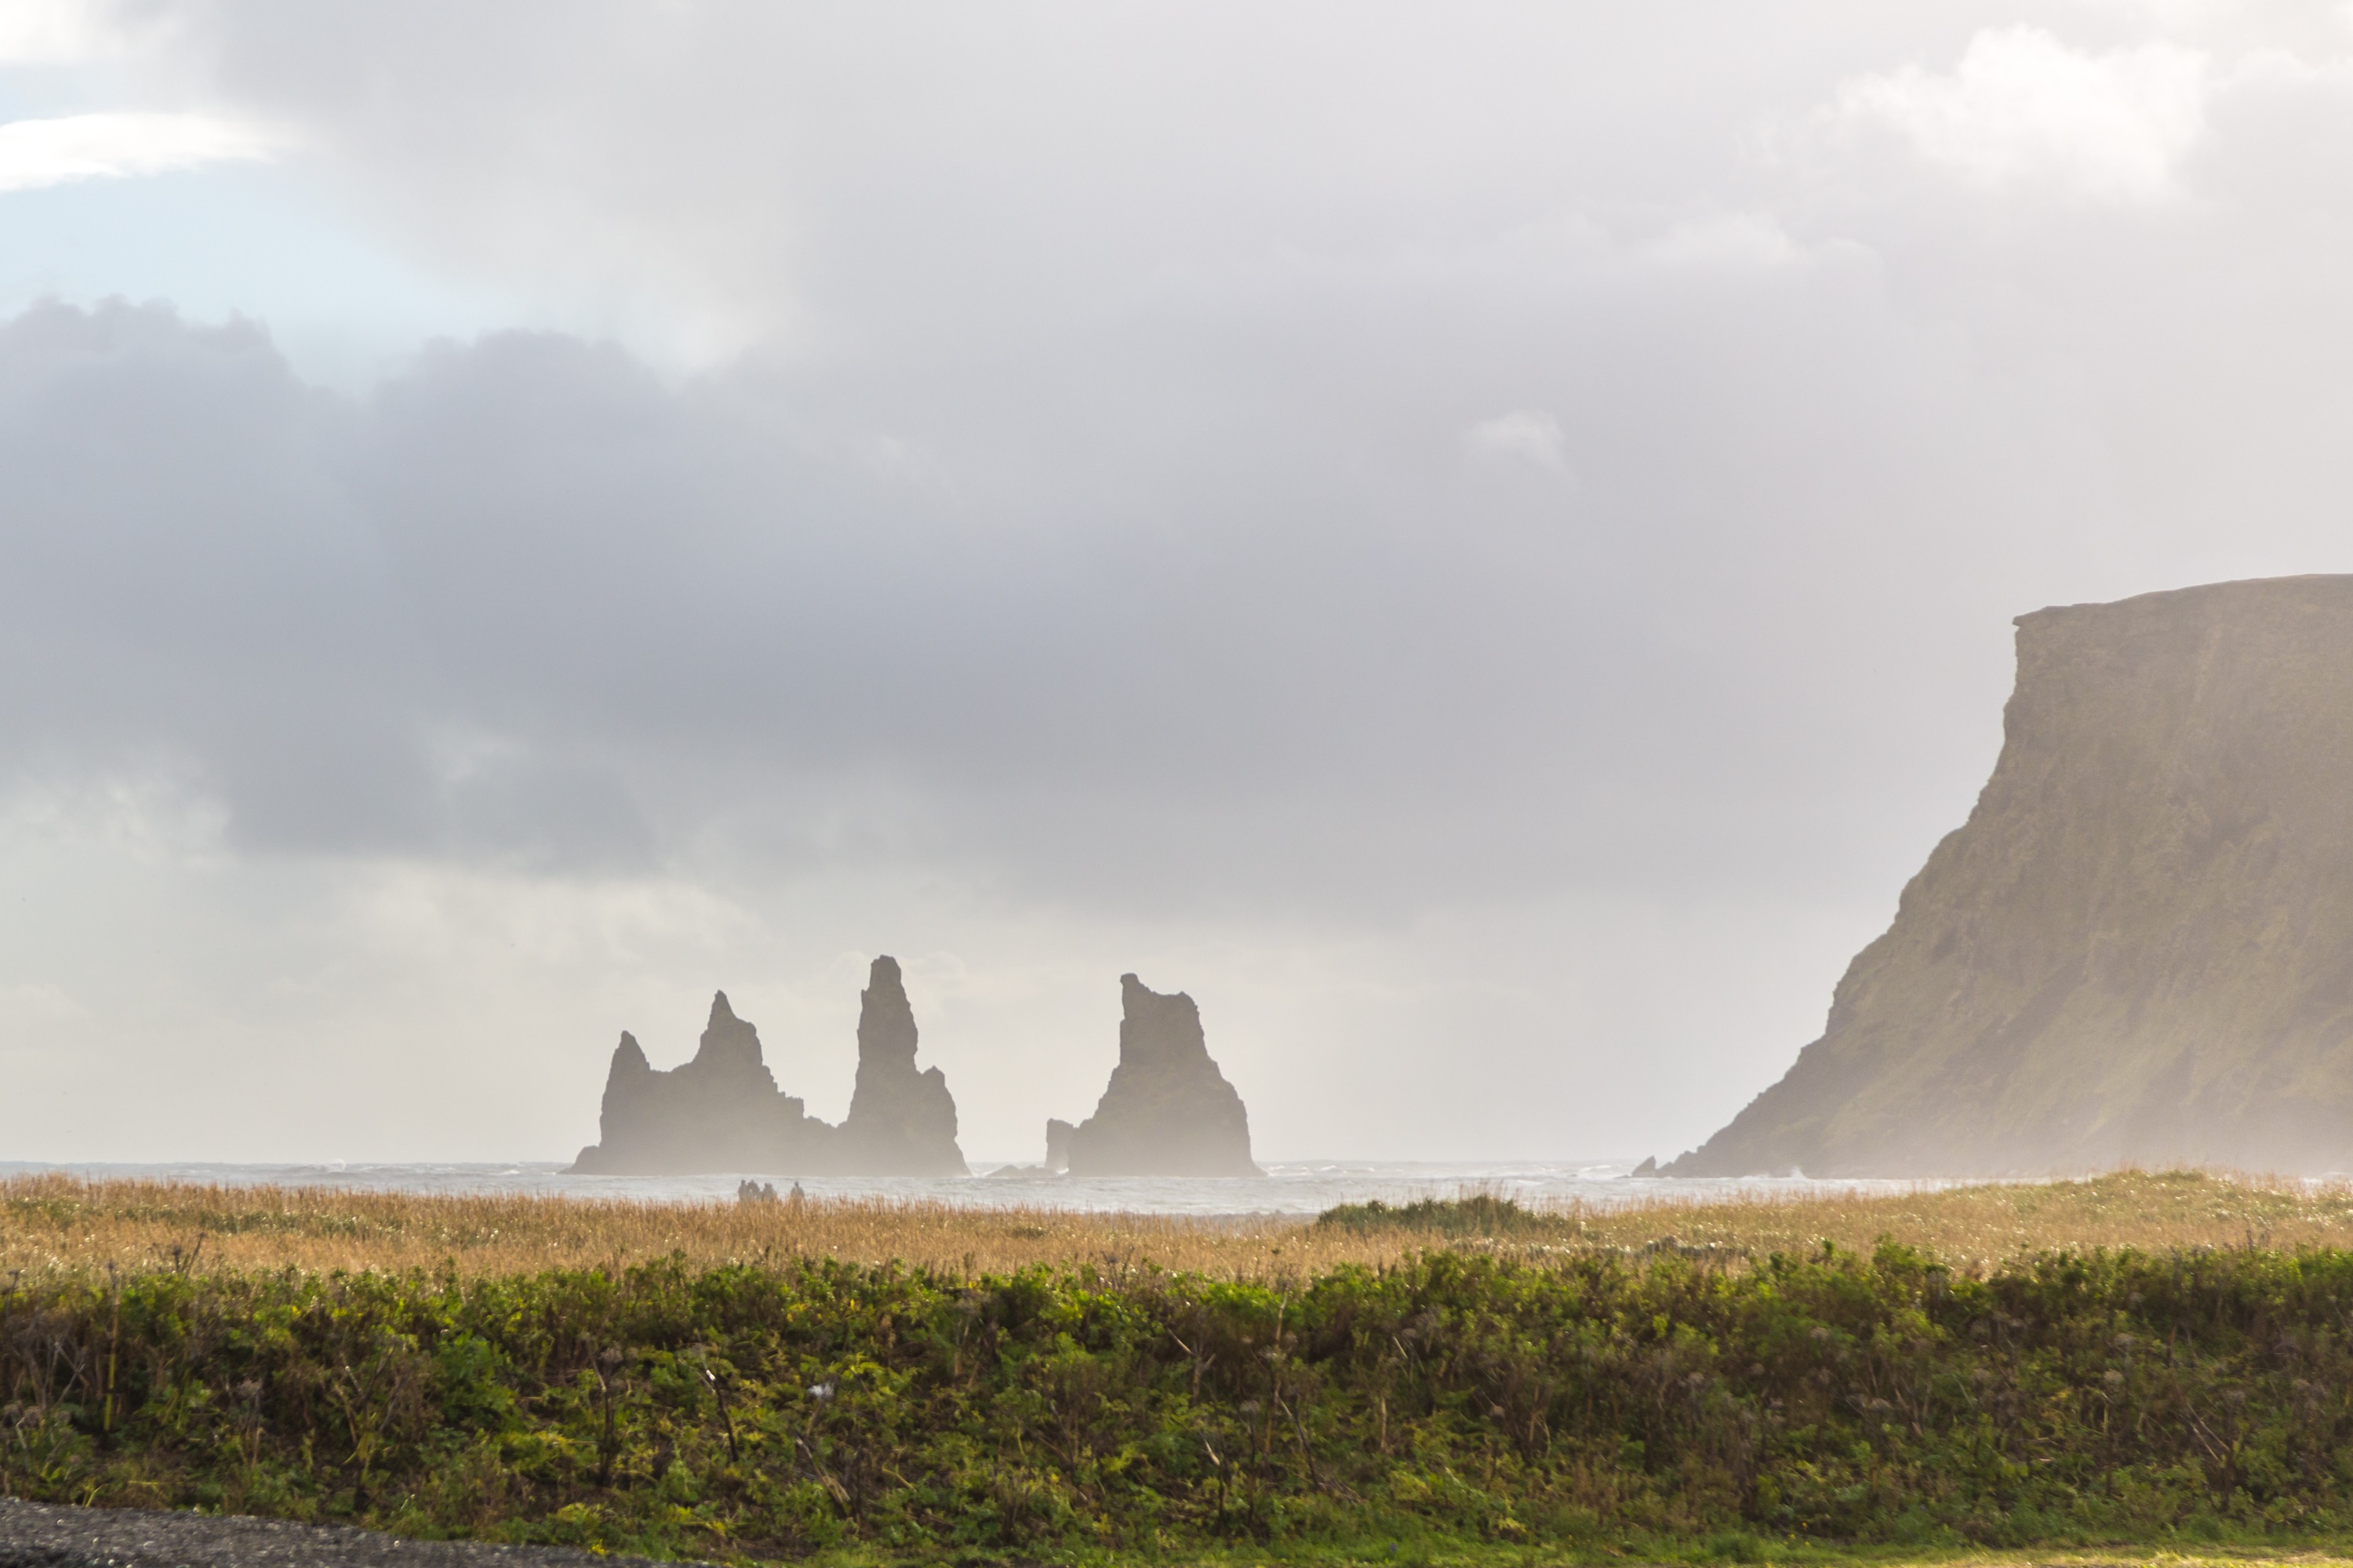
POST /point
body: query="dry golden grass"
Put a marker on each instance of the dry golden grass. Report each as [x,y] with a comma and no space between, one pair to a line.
[1985,1223]
[58,1222]
[50,1223]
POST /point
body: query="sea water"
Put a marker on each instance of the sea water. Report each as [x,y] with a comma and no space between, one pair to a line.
[1289,1187]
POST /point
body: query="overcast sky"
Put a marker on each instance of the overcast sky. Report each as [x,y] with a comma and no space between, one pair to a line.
[1477,540]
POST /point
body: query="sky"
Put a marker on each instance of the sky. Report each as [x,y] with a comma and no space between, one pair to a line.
[1478,541]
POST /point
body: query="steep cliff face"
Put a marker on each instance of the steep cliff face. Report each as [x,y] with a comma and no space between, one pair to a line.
[1168,1111]
[722,1111]
[2141,945]
[902,1121]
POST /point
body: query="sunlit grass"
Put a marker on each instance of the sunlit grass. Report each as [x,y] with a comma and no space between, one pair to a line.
[63,1222]
[54,1222]
[1988,1223]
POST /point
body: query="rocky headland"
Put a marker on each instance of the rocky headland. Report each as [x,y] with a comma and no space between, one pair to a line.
[1167,1110]
[723,1111]
[2139,947]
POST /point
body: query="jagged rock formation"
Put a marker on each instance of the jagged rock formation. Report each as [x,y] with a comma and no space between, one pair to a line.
[1168,1111]
[2139,947]
[724,1112]
[720,1111]
[902,1121]
[1058,1145]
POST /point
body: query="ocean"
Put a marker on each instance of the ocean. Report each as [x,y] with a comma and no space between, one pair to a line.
[1289,1187]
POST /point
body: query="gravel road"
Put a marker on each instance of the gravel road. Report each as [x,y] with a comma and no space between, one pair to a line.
[39,1535]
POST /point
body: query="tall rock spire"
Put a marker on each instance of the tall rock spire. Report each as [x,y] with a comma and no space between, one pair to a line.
[1167,1110]
[728,1044]
[719,1112]
[902,1120]
[722,1113]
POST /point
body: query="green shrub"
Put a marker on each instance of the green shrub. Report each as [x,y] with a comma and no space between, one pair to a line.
[1473,1214]
[1594,1403]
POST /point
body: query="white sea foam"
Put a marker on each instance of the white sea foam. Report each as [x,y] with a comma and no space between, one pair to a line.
[1289,1187]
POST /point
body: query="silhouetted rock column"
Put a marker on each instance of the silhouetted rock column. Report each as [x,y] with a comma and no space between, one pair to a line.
[720,1111]
[902,1120]
[1168,1111]
[628,1104]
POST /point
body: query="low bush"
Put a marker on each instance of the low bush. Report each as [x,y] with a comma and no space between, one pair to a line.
[1473,1214]
[1665,1402]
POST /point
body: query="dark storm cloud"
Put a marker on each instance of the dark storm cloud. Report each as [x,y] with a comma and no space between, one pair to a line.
[1439,458]
[1291,602]
[1113,532]
[1485,534]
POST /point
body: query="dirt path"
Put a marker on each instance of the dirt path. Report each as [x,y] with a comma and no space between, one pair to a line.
[40,1535]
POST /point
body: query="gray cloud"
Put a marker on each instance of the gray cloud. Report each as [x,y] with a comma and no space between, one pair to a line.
[525,599]
[1061,470]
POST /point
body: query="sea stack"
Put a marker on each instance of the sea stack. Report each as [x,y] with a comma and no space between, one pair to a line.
[720,1111]
[1168,1111]
[2139,947]
[902,1121]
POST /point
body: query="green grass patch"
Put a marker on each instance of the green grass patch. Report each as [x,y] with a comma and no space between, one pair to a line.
[1479,1214]
[1473,1409]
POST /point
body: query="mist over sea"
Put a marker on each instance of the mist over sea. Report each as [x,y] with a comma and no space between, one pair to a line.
[1289,1187]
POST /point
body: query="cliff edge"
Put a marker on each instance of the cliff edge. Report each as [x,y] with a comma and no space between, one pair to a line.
[2139,947]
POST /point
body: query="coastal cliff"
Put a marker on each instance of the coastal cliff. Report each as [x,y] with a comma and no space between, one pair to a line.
[2139,947]
[1167,1110]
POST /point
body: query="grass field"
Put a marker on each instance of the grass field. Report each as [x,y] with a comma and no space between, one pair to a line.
[52,1223]
[1995,1374]
[1593,1405]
